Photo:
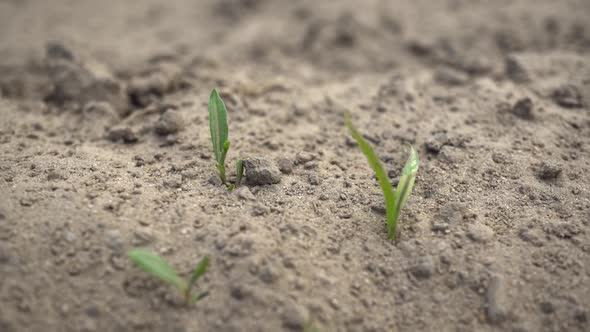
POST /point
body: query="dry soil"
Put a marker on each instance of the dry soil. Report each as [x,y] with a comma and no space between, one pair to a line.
[104,146]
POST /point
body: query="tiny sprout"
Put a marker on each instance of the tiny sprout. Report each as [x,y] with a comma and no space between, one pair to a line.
[156,266]
[394,201]
[219,138]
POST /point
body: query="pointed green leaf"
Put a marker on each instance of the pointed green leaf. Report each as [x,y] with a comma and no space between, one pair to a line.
[240,171]
[224,150]
[217,124]
[199,270]
[406,182]
[156,266]
[382,177]
[197,273]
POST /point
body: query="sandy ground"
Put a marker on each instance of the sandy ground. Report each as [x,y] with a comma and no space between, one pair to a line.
[104,147]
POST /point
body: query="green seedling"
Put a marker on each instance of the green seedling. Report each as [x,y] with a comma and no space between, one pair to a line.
[219,137]
[159,268]
[394,200]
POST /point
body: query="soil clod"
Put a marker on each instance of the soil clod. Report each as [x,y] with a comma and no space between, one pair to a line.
[294,315]
[122,134]
[105,146]
[497,305]
[424,269]
[78,80]
[523,109]
[261,171]
[548,171]
[170,122]
[285,165]
[479,232]
[567,96]
[244,193]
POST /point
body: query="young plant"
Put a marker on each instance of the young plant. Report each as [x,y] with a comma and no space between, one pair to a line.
[159,268]
[219,137]
[394,201]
